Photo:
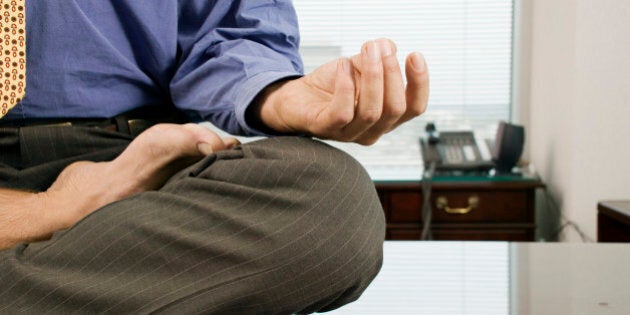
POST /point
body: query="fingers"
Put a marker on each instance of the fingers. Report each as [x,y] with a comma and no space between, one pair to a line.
[393,104]
[160,151]
[164,143]
[400,104]
[417,92]
[341,111]
[361,98]
[231,143]
[204,141]
[370,102]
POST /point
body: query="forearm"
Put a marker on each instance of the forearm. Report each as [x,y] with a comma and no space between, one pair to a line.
[242,47]
[83,187]
[24,217]
[268,101]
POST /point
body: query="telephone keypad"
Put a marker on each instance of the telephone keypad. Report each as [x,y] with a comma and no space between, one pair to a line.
[458,150]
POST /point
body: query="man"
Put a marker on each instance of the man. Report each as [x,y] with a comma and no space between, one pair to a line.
[97,217]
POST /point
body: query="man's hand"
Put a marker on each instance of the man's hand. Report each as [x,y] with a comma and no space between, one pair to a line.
[146,164]
[355,99]
[83,187]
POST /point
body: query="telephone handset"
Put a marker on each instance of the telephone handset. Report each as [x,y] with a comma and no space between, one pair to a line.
[453,151]
[458,150]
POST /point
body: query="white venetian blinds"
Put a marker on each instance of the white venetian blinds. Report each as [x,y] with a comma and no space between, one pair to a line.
[444,278]
[467,44]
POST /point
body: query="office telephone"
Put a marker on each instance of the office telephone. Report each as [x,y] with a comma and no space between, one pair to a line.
[453,151]
[458,150]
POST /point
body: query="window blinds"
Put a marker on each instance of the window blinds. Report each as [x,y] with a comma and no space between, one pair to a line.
[467,44]
[438,278]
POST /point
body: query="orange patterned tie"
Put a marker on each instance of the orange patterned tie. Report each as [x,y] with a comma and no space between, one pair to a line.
[13,51]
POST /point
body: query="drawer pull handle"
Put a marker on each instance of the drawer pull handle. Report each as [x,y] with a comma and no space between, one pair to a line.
[442,203]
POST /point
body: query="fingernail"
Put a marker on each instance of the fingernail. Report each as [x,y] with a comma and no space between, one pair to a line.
[204,148]
[385,46]
[418,62]
[231,143]
[372,51]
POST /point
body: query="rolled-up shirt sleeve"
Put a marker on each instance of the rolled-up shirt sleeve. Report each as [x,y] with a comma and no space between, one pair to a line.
[229,51]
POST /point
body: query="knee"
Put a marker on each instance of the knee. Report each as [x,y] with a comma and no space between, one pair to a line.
[347,224]
[327,184]
[356,218]
[312,224]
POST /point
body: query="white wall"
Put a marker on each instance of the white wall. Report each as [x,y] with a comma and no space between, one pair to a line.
[577,91]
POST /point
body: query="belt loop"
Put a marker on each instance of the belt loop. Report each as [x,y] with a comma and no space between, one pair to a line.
[137,126]
[122,124]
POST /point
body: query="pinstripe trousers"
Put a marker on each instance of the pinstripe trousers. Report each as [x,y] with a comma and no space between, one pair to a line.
[277,226]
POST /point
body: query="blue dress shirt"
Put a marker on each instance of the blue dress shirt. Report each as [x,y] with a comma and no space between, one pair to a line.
[99,58]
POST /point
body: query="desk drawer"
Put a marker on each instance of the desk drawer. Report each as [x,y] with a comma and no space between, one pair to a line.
[404,207]
[490,206]
[465,205]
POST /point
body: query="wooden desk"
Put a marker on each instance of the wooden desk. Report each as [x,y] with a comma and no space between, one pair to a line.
[613,221]
[504,210]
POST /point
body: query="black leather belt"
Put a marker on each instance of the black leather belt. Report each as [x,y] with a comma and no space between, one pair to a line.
[132,123]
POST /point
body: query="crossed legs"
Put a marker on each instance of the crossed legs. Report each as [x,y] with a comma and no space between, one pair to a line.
[281,225]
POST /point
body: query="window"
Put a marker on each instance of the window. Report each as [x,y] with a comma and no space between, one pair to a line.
[467,44]
[439,278]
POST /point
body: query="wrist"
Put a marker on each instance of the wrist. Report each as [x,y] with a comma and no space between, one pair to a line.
[27,218]
[265,112]
[57,211]
[81,188]
[46,215]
